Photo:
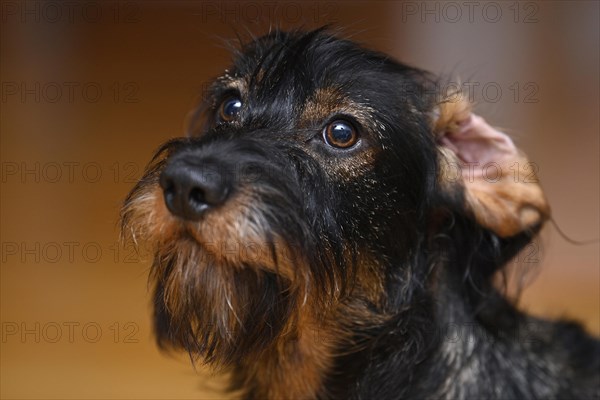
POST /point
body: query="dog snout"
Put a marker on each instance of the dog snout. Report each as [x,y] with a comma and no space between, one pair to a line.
[191,188]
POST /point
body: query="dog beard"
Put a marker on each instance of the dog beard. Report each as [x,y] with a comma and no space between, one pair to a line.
[219,312]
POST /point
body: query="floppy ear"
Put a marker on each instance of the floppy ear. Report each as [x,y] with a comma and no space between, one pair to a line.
[498,183]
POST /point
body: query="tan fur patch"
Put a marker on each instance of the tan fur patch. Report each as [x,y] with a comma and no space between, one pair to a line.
[297,363]
[450,114]
[321,105]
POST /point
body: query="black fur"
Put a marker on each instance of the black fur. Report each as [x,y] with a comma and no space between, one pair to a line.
[448,332]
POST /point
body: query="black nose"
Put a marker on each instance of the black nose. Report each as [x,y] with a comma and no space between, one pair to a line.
[191,189]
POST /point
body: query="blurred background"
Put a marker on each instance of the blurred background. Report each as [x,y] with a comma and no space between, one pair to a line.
[90,89]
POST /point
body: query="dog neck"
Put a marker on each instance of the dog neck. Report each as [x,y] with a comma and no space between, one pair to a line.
[325,357]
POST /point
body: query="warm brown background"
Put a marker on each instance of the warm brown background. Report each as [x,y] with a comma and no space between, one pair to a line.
[84,149]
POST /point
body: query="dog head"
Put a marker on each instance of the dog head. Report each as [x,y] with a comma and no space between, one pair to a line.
[318,176]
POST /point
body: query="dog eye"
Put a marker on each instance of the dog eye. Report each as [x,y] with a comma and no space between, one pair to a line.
[229,109]
[340,134]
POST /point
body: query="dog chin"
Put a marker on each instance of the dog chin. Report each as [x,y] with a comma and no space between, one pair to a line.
[218,312]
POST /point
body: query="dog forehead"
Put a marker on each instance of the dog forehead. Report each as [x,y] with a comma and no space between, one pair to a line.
[296,65]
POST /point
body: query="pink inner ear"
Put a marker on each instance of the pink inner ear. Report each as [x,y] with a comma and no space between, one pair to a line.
[475,141]
[499,202]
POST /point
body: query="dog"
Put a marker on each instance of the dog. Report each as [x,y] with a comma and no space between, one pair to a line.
[328,215]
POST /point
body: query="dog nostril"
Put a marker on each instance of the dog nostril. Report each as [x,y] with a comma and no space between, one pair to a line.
[197,196]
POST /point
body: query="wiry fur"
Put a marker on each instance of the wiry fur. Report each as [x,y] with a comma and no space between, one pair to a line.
[331,273]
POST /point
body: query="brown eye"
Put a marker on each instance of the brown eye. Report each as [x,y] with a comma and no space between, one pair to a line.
[229,109]
[340,134]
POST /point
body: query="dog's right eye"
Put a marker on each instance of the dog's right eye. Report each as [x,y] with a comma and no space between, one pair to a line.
[229,109]
[340,134]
